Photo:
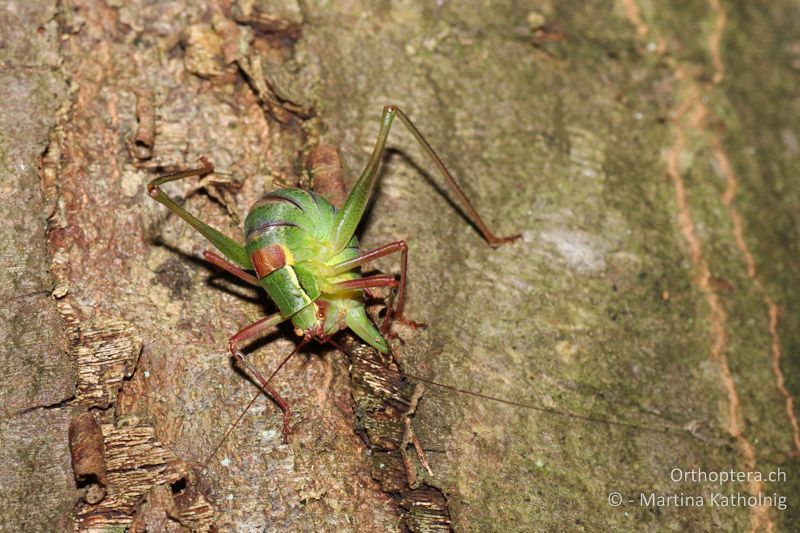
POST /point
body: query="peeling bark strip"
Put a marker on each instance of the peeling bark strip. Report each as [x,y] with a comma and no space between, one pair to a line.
[158,512]
[427,510]
[381,399]
[106,352]
[136,463]
[384,401]
[275,84]
[88,456]
[278,104]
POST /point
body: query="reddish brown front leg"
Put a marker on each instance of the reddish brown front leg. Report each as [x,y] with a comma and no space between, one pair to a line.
[381,280]
[366,257]
[252,331]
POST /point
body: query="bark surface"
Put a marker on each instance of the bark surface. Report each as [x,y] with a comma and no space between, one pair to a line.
[649,154]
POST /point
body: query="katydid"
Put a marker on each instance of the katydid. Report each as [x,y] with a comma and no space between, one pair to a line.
[304,253]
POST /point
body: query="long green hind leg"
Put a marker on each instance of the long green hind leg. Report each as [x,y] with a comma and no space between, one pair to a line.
[230,248]
[350,215]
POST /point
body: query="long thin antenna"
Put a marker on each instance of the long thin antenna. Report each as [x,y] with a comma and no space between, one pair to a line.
[596,420]
[228,431]
[662,429]
[249,405]
[677,430]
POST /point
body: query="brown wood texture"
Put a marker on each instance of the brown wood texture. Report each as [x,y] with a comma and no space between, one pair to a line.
[647,152]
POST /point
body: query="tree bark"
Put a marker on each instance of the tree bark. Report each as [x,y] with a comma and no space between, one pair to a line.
[647,153]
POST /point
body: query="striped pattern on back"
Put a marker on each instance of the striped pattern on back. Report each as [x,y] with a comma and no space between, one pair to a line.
[298,218]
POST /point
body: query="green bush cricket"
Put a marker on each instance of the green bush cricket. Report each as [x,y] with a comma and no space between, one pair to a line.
[304,253]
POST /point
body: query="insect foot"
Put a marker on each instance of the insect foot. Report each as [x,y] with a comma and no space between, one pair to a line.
[496,242]
[265,386]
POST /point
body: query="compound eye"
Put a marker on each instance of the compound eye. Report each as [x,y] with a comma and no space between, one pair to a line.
[268,259]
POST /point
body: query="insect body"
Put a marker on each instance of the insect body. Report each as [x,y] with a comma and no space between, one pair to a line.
[305,255]
[311,279]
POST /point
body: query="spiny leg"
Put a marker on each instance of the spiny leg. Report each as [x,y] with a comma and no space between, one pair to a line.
[366,257]
[251,403]
[252,331]
[230,248]
[350,215]
[381,280]
[283,404]
[229,267]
